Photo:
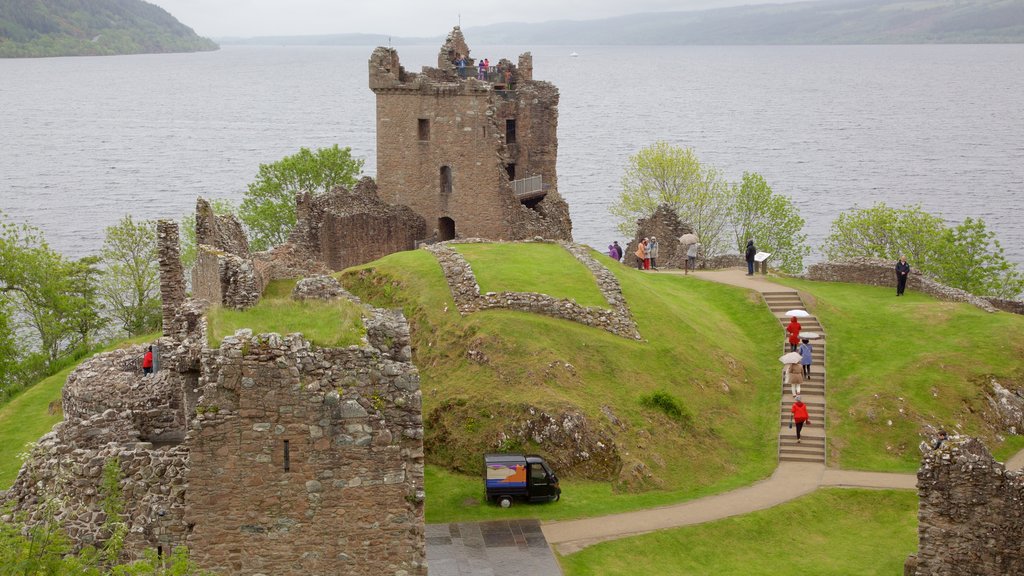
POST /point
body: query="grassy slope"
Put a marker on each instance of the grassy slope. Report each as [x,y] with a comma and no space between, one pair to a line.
[830,532]
[913,361]
[701,338]
[337,323]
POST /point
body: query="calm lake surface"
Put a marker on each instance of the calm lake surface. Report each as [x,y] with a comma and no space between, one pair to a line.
[87,140]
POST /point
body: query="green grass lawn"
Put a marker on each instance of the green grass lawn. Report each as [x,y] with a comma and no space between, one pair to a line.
[830,532]
[335,323]
[897,364]
[532,267]
[711,347]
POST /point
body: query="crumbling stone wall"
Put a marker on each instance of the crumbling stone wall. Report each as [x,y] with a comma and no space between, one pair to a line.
[306,461]
[445,146]
[346,228]
[172,275]
[877,272]
[224,233]
[971,513]
[224,272]
[466,293]
[665,225]
[114,381]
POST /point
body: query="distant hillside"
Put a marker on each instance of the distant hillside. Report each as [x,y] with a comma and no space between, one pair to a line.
[822,22]
[37,28]
[819,22]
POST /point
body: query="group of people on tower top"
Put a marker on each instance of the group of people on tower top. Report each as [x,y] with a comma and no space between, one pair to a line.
[484,69]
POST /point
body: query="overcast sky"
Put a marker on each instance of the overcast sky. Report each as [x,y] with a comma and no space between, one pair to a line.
[220,18]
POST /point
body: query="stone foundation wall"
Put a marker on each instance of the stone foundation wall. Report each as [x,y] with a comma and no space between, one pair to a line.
[306,461]
[971,514]
[467,296]
[114,381]
[876,272]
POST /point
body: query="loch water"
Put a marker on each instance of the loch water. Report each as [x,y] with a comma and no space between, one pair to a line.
[84,141]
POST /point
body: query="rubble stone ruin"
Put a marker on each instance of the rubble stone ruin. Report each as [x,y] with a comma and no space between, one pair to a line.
[471,151]
[263,454]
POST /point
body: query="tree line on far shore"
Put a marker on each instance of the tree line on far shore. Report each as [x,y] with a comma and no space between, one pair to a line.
[54,311]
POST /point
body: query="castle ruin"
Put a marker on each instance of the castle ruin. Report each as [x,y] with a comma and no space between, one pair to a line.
[471,150]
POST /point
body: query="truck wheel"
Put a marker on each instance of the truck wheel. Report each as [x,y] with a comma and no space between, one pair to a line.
[505,501]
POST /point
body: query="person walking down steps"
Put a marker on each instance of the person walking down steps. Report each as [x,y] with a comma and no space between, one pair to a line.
[799,416]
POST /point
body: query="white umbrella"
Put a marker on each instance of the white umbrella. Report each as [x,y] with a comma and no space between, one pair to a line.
[790,358]
[809,335]
[688,239]
[798,313]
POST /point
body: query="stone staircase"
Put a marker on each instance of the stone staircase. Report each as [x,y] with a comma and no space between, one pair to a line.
[812,391]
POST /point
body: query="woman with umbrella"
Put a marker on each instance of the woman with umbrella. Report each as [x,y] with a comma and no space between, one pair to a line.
[794,334]
[791,372]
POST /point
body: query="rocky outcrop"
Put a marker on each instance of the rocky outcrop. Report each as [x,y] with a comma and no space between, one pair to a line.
[971,513]
[468,298]
[318,288]
[1008,407]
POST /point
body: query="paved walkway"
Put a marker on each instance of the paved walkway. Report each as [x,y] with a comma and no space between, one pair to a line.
[791,479]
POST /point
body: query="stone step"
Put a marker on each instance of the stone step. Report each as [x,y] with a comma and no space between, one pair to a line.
[801,450]
[810,459]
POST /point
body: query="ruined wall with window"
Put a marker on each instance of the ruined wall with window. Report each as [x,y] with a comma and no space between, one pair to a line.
[450,143]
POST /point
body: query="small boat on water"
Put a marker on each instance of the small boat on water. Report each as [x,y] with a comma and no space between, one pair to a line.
[574,55]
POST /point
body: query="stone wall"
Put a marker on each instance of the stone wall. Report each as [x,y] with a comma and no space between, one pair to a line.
[295,459]
[446,146]
[664,224]
[466,293]
[346,228]
[306,461]
[172,275]
[971,513]
[226,279]
[877,272]
[223,233]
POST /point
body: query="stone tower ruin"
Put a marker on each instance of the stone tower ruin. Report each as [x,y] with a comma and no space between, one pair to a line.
[471,151]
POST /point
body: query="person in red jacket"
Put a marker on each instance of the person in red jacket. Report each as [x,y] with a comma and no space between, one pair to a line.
[147,362]
[794,334]
[800,417]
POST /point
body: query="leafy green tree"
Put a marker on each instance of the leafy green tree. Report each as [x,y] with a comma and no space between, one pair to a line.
[54,297]
[130,287]
[966,256]
[268,209]
[884,232]
[9,351]
[771,220]
[666,174]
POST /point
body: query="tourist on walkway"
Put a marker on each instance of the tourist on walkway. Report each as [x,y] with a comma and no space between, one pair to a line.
[793,375]
[482,74]
[902,271]
[640,254]
[618,250]
[691,257]
[461,63]
[751,251]
[613,251]
[805,351]
[147,362]
[794,334]
[652,250]
[799,416]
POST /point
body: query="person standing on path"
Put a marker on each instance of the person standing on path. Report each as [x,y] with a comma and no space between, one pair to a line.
[618,250]
[147,362]
[805,351]
[749,255]
[691,257]
[641,254]
[652,251]
[794,333]
[799,416]
[902,271]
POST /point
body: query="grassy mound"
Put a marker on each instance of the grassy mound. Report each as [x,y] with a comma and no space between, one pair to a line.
[709,351]
[830,532]
[337,323]
[898,364]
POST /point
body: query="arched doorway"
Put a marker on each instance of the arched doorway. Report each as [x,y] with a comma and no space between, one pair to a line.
[445,229]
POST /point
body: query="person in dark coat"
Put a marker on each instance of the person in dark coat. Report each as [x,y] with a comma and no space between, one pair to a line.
[751,251]
[618,250]
[902,271]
